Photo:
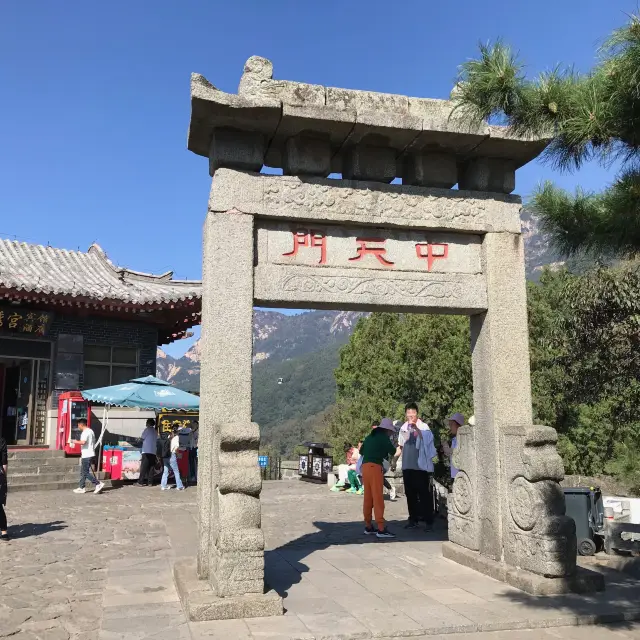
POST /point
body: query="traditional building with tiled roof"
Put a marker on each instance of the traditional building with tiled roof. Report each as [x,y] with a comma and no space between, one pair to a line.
[72,320]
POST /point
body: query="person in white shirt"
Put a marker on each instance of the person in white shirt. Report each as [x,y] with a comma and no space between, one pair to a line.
[455,422]
[87,444]
[148,462]
[415,443]
[171,462]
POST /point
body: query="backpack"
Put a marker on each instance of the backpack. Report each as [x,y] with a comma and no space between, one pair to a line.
[165,447]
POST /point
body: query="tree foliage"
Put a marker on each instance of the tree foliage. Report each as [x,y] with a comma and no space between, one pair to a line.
[586,116]
[393,359]
[585,364]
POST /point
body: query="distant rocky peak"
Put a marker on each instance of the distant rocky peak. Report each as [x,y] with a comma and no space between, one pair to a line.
[345,321]
[194,352]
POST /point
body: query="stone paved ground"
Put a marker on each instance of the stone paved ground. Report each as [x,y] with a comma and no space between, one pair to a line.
[99,567]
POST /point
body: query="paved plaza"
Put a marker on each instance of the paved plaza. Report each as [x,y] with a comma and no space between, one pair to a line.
[87,567]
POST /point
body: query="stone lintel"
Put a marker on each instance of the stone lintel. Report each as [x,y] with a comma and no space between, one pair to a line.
[363,203]
[452,253]
[200,602]
[583,581]
[369,289]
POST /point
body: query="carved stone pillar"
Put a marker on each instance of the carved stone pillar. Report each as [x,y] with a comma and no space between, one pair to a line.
[538,536]
[463,501]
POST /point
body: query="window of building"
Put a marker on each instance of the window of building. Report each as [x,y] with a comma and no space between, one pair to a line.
[104,366]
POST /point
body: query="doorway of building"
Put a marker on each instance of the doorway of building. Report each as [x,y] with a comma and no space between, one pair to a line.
[24,386]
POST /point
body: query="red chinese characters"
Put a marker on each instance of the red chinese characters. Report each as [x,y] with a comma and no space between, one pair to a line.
[309,239]
[372,247]
[379,252]
[431,252]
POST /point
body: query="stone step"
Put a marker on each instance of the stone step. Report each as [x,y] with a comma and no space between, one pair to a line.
[28,478]
[20,468]
[52,486]
[35,454]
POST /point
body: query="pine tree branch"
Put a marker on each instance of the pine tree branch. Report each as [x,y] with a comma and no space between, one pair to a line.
[594,115]
[606,223]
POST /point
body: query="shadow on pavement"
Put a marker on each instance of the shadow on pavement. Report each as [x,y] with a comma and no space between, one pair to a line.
[499,602]
[281,574]
[35,529]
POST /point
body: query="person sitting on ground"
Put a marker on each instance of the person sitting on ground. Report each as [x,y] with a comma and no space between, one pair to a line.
[347,472]
[87,444]
[4,463]
[455,422]
[148,462]
[376,448]
[170,461]
[355,484]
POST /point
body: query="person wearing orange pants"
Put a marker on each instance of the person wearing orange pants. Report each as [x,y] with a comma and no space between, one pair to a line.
[377,446]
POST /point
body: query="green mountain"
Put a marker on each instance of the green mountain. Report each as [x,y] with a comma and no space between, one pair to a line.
[290,398]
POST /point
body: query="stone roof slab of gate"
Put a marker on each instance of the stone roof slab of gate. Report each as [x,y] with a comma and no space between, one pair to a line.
[364,203]
[444,129]
[277,108]
[212,108]
[367,289]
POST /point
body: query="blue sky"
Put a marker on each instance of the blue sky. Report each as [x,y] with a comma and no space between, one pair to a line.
[95,97]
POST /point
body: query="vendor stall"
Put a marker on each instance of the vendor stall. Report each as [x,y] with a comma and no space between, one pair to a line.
[144,393]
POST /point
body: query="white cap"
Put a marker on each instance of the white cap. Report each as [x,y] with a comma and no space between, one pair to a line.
[472,421]
[457,417]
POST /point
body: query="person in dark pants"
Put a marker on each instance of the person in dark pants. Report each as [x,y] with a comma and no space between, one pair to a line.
[418,451]
[4,462]
[87,444]
[148,462]
[193,452]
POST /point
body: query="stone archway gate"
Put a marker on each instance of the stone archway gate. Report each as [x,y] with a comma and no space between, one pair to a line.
[304,240]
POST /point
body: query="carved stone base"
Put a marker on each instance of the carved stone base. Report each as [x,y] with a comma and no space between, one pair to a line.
[583,581]
[200,602]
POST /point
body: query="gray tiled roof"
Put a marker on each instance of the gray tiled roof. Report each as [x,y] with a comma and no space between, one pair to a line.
[36,268]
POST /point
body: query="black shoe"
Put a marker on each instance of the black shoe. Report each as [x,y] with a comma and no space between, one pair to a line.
[385,533]
[5,537]
[369,531]
[411,525]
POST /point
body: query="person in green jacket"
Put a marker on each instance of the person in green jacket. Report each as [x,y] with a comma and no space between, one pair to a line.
[377,446]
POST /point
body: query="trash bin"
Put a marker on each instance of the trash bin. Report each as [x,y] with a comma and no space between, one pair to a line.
[584,505]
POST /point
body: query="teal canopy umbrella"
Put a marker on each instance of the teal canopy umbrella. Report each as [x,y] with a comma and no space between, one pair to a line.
[145,393]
